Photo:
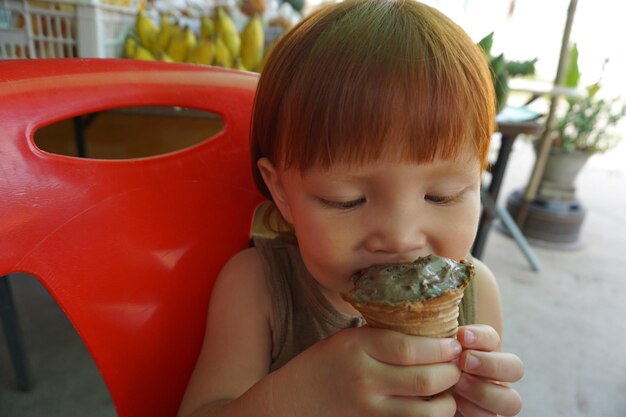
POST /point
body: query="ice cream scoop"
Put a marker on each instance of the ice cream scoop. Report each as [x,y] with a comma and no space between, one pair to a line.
[420,298]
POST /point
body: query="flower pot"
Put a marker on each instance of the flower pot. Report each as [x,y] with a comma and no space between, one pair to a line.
[562,168]
[560,173]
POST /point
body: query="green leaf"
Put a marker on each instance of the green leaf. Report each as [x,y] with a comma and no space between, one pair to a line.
[486,44]
[521,67]
[572,74]
[498,65]
[593,89]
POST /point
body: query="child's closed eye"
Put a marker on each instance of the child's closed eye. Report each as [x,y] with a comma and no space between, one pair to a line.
[343,205]
[442,199]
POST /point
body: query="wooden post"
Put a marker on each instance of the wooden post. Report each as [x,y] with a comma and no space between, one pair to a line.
[546,138]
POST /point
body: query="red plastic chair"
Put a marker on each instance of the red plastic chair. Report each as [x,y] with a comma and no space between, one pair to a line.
[128,248]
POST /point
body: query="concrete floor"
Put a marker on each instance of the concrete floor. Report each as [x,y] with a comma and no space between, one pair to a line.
[566,322]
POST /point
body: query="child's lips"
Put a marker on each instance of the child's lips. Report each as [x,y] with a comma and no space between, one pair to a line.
[391,261]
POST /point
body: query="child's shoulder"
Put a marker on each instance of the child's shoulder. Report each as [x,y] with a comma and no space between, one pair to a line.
[245,263]
[242,281]
[487,296]
[483,275]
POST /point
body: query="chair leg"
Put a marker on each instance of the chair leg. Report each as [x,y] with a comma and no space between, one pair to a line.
[17,350]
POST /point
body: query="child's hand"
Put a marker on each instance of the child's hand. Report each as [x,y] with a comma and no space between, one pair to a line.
[482,389]
[370,372]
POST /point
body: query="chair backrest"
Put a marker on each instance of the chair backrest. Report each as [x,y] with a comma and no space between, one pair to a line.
[128,248]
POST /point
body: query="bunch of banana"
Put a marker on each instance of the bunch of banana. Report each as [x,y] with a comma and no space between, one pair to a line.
[219,43]
[501,70]
[166,42]
[227,46]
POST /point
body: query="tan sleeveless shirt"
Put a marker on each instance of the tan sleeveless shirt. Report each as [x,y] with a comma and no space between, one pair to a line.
[302,316]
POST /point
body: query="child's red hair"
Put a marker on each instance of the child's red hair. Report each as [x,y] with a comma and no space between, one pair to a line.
[365,79]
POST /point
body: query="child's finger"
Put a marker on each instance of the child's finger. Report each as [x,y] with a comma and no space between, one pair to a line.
[441,406]
[499,399]
[396,348]
[466,408]
[479,337]
[417,381]
[499,366]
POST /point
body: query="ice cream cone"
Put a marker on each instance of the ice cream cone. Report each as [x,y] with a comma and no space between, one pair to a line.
[436,317]
[431,316]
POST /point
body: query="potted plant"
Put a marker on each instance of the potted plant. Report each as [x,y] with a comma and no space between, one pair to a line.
[582,129]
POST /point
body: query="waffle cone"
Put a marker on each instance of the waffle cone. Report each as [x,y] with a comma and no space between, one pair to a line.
[436,317]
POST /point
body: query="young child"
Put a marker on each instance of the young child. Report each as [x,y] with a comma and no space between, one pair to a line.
[370,134]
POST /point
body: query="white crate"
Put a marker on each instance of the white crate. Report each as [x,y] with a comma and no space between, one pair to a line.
[65,29]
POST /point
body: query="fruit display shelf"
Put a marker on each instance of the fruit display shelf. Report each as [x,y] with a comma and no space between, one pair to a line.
[64,28]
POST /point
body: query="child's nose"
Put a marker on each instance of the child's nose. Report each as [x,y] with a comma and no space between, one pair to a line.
[401,233]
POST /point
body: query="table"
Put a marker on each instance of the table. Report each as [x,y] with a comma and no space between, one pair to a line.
[509,130]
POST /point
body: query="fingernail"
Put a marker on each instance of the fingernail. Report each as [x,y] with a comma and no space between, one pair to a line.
[471,363]
[469,337]
[456,347]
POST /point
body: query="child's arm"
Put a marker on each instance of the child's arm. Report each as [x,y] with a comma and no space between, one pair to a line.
[236,351]
[486,370]
[358,371]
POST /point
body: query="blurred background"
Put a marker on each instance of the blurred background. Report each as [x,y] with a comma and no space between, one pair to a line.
[563,314]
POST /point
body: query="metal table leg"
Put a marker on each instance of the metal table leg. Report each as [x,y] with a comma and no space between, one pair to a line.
[491,210]
[17,350]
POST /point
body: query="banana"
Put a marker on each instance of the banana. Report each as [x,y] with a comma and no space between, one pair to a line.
[130,45]
[181,45]
[165,34]
[207,27]
[223,57]
[252,40]
[203,53]
[146,30]
[143,54]
[226,27]
[175,30]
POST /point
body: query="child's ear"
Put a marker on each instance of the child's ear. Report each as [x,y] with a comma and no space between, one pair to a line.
[274,184]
